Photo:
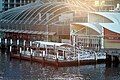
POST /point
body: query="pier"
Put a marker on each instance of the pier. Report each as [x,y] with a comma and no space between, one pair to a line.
[24,47]
[49,53]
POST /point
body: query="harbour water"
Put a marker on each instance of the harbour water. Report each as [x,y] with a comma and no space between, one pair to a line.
[24,70]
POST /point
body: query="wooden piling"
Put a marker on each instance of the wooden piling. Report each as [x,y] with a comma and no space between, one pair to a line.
[10,56]
[20,56]
[57,63]
[31,58]
[43,61]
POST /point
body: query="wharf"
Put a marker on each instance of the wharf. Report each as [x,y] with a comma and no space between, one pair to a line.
[56,62]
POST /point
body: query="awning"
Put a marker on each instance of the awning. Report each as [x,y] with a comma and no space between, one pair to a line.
[28,32]
[16,31]
[7,30]
[35,32]
[40,32]
[20,31]
[49,33]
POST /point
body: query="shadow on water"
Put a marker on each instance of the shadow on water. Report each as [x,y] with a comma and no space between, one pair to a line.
[113,64]
[3,48]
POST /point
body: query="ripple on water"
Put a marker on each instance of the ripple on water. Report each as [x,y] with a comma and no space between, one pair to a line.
[16,70]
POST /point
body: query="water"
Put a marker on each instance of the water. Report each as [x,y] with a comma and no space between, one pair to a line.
[16,70]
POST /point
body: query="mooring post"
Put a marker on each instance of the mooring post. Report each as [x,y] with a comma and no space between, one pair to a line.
[64,55]
[96,57]
[20,54]
[57,63]
[31,55]
[10,52]
[43,55]
[78,59]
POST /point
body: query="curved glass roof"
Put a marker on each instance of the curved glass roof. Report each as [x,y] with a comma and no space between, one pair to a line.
[92,26]
[30,14]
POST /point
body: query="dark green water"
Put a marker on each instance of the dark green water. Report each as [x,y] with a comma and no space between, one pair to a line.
[16,70]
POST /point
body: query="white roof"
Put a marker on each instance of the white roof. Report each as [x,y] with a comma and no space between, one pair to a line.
[52,43]
[91,25]
[114,17]
[113,26]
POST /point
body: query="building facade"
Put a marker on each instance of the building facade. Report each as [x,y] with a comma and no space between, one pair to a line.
[101,32]
[102,5]
[8,4]
[98,5]
[55,21]
[42,20]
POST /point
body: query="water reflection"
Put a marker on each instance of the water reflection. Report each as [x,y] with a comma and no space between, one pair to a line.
[16,70]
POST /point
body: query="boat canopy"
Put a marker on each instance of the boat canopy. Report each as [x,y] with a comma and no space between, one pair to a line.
[52,44]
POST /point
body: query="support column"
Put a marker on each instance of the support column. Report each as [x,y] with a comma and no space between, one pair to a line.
[17,42]
[0,40]
[46,50]
[74,43]
[20,2]
[18,45]
[3,46]
[24,45]
[102,39]
[24,1]
[30,43]
[8,4]
[14,3]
